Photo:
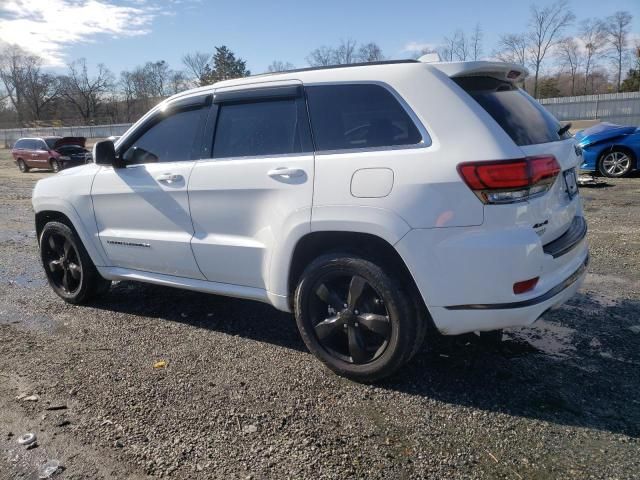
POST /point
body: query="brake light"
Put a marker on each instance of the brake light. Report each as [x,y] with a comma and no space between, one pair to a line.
[509,181]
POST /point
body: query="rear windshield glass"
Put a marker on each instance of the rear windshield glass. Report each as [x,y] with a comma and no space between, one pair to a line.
[520,116]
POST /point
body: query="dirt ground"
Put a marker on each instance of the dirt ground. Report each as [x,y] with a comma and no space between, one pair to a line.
[240,397]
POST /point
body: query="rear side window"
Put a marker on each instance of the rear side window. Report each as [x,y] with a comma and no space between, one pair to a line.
[519,115]
[345,117]
[20,144]
[261,127]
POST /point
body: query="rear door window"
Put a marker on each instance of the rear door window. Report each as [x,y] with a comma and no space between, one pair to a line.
[261,127]
[358,116]
[519,115]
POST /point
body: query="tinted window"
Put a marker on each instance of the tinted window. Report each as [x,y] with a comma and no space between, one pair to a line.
[519,115]
[20,144]
[171,139]
[271,127]
[358,116]
[51,142]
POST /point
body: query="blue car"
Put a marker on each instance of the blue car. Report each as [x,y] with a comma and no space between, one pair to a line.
[613,150]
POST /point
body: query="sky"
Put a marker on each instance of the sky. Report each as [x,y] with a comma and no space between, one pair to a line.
[125,33]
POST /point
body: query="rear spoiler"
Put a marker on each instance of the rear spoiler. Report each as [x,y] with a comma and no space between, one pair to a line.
[509,72]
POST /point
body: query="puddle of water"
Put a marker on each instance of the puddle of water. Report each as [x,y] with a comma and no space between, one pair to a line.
[550,338]
[17,236]
[25,321]
[27,281]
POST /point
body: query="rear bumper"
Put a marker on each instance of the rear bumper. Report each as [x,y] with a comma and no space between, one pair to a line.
[466,278]
[548,295]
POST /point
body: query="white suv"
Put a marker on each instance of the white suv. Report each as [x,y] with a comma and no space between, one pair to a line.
[373,201]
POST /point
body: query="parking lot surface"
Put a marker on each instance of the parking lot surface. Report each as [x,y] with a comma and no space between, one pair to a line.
[153,382]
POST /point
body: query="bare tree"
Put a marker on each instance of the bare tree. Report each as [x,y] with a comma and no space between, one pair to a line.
[617,29]
[345,53]
[12,76]
[127,87]
[460,46]
[568,53]
[369,52]
[197,65]
[178,82]
[40,89]
[512,48]
[546,26]
[476,42]
[594,38]
[280,66]
[321,57]
[84,91]
[28,88]
[448,48]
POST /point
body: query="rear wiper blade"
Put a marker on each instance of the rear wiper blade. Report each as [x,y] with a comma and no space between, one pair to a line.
[564,129]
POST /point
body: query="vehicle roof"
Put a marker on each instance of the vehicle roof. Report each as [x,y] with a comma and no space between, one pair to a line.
[367,72]
[38,138]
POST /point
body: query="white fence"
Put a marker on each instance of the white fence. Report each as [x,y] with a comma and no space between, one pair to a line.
[622,108]
[10,135]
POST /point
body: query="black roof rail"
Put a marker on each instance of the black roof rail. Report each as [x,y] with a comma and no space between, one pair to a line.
[347,65]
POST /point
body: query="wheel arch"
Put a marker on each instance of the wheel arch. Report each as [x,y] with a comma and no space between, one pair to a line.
[69,217]
[366,245]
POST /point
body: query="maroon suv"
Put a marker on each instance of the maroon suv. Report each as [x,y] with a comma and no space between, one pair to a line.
[55,153]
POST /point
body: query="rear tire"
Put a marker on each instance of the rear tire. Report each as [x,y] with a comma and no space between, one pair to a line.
[22,166]
[356,318]
[69,269]
[615,163]
[55,165]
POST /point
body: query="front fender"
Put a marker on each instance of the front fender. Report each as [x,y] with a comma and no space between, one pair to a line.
[86,230]
[69,193]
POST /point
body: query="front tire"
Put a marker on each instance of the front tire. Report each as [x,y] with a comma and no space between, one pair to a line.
[356,318]
[55,165]
[22,166]
[615,163]
[69,269]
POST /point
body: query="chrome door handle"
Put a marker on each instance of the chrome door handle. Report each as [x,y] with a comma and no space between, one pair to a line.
[285,172]
[169,178]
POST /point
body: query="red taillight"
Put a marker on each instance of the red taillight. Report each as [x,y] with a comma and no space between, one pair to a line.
[508,181]
[525,286]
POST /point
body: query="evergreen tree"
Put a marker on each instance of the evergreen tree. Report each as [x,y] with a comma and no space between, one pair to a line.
[225,66]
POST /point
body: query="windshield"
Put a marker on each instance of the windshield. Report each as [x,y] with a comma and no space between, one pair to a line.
[519,115]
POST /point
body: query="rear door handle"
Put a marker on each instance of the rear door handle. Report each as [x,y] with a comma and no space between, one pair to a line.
[169,178]
[286,172]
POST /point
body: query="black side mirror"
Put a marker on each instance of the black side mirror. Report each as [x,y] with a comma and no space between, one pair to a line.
[104,153]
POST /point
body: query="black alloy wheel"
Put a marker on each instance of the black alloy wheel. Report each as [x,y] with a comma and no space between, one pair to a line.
[62,261]
[350,319]
[67,265]
[356,317]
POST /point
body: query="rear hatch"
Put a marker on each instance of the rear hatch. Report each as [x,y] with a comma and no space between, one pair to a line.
[538,134]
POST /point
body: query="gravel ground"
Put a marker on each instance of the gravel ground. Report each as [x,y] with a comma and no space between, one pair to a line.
[240,397]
